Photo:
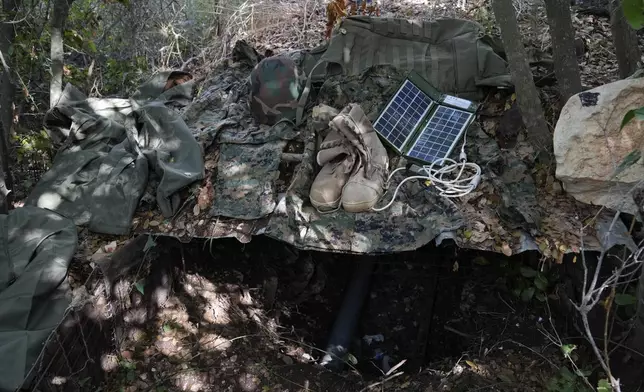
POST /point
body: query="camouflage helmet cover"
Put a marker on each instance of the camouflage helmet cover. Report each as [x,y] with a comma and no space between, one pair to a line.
[275,87]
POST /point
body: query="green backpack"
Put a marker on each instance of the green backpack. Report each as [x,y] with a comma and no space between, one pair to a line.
[276,84]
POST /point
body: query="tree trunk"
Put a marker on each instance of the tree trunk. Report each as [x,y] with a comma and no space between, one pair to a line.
[625,41]
[563,48]
[527,94]
[7,94]
[58,17]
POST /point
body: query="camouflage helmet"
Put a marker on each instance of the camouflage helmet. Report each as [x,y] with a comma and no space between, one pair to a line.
[275,87]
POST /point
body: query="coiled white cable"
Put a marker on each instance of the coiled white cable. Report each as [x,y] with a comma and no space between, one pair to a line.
[455,187]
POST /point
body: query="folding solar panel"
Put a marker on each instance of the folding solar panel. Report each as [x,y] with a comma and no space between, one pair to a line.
[402,115]
[422,124]
[439,135]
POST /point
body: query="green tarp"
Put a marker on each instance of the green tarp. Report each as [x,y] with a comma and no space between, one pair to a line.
[36,247]
[112,144]
[454,55]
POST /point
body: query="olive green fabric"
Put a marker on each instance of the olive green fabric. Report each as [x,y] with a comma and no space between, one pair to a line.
[454,55]
[449,53]
[36,247]
[100,175]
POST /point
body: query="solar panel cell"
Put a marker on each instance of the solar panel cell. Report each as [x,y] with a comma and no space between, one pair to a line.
[403,114]
[440,134]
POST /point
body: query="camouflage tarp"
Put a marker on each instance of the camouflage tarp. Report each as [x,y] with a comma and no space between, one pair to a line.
[251,191]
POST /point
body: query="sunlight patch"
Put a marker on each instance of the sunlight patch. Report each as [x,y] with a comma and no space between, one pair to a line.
[49,200]
[109,362]
[214,342]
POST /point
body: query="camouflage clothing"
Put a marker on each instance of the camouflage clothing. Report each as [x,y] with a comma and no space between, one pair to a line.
[253,193]
[275,86]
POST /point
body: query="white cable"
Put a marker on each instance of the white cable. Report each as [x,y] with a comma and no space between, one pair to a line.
[456,187]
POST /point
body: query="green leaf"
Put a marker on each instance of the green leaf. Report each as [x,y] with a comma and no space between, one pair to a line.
[167,328]
[634,13]
[128,365]
[541,297]
[140,286]
[527,294]
[566,373]
[92,46]
[628,161]
[625,299]
[567,349]
[604,386]
[635,113]
[528,272]
[516,292]
[583,373]
[541,282]
[149,244]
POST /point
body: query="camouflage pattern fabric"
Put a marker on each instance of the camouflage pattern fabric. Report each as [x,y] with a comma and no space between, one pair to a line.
[249,154]
[275,86]
[256,193]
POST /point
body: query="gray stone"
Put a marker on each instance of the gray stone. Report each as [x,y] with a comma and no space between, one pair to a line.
[589,145]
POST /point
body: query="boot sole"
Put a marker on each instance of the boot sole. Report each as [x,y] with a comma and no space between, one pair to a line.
[359,207]
[328,205]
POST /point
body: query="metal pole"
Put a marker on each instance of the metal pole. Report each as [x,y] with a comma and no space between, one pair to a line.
[347,319]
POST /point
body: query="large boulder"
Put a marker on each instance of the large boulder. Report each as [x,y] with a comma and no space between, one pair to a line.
[589,145]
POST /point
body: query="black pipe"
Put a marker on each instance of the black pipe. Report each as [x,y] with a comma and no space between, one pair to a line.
[347,319]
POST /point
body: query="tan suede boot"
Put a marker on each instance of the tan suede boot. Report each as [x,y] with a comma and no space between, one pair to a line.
[337,160]
[366,183]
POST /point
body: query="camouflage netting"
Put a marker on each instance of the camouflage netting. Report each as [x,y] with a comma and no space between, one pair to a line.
[255,184]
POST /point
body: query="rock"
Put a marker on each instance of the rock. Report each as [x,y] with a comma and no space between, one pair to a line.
[589,145]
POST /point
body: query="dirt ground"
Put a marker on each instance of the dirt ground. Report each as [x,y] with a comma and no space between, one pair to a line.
[234,317]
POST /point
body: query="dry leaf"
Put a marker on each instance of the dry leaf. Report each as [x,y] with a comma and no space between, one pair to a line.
[505,248]
[154,223]
[196,210]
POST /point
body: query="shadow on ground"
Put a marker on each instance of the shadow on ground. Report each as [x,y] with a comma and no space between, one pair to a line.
[225,316]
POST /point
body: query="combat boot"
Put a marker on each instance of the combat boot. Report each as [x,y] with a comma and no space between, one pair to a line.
[367,180]
[337,159]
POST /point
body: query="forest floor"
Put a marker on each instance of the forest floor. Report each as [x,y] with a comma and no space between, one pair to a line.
[236,317]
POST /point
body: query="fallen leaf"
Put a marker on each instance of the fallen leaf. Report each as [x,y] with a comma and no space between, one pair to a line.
[506,249]
[210,164]
[196,210]
[111,247]
[154,223]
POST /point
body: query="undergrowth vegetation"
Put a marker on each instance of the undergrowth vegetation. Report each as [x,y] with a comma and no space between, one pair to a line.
[111,46]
